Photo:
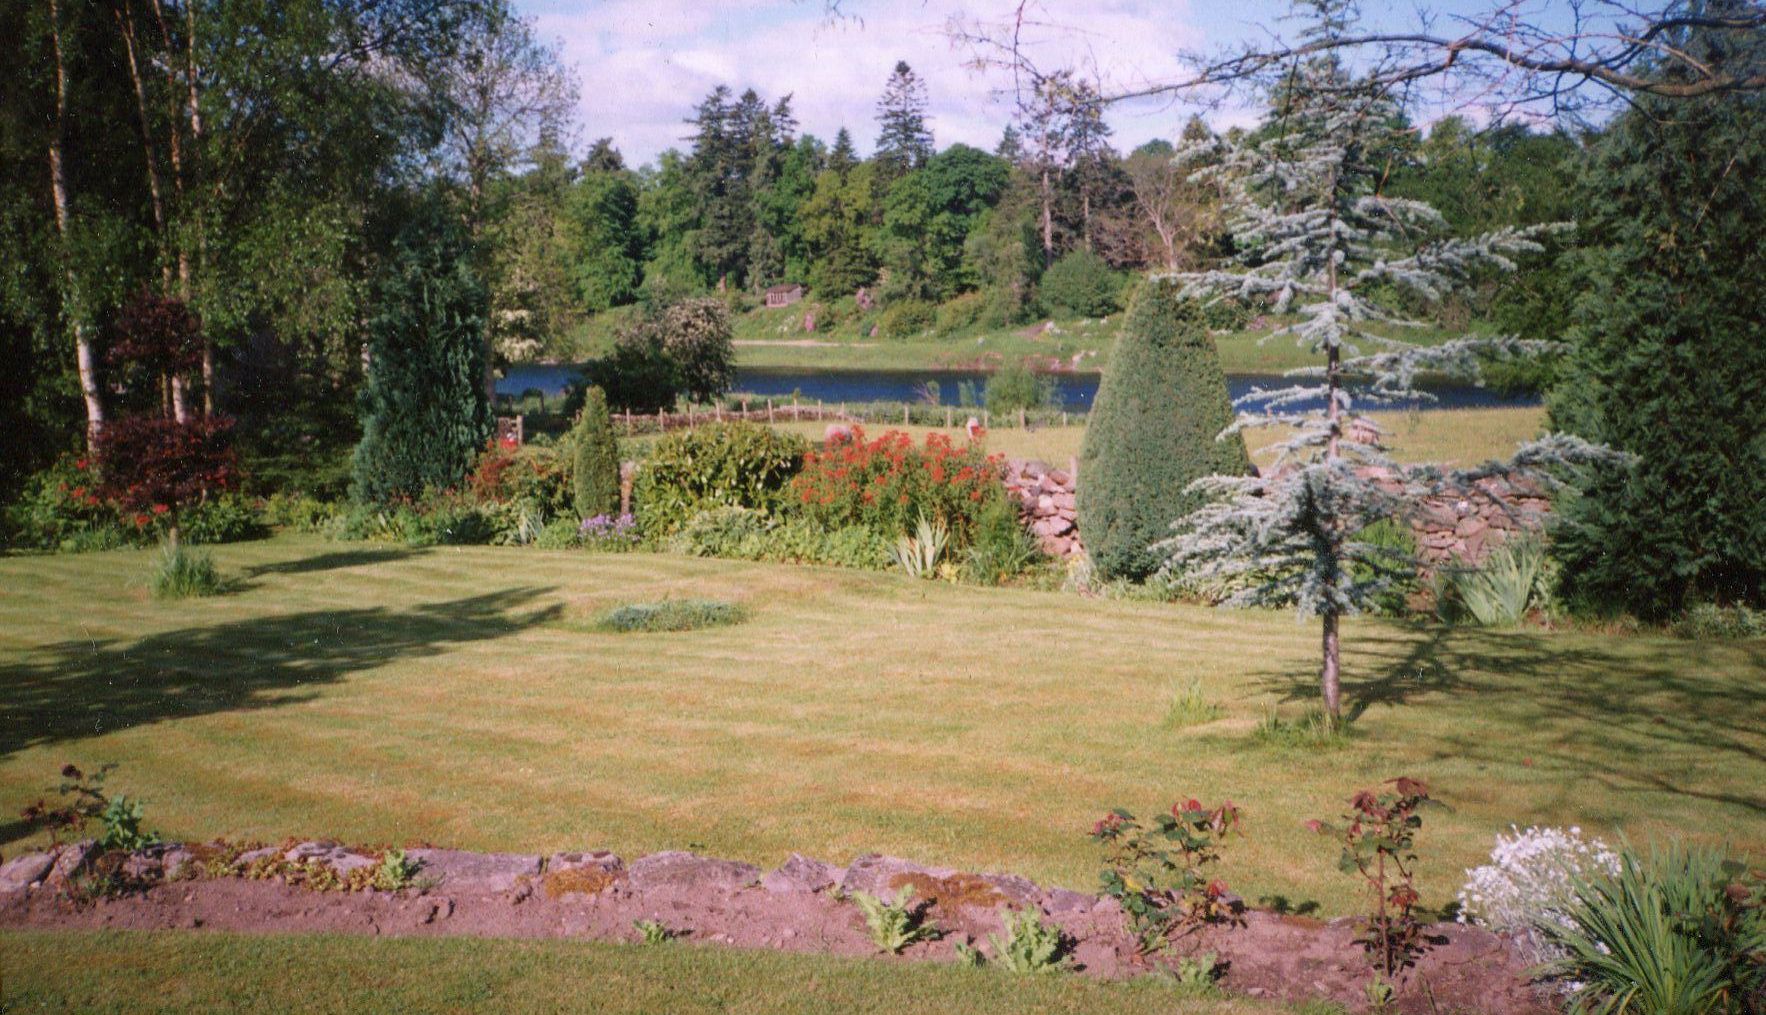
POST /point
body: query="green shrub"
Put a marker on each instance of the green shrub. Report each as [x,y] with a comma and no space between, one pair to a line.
[596,472]
[224,519]
[1002,548]
[896,923]
[425,417]
[731,532]
[1674,934]
[672,615]
[1497,592]
[298,511]
[1152,432]
[959,314]
[1396,541]
[559,534]
[1225,315]
[180,572]
[534,474]
[745,534]
[906,318]
[855,546]
[1710,622]
[722,465]
[1082,284]
[1015,386]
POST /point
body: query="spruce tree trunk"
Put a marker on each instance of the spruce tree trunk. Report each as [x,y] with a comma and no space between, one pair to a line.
[1331,672]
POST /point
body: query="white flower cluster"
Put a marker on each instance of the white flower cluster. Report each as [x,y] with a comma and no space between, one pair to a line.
[1530,881]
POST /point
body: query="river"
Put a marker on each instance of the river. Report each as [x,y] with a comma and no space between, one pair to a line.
[1075,390]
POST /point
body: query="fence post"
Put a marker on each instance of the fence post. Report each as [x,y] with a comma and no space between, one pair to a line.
[1021,423]
[769,410]
[948,421]
[1063,418]
[987,419]
[904,414]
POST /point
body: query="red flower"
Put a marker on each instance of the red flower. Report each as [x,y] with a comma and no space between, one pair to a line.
[160,509]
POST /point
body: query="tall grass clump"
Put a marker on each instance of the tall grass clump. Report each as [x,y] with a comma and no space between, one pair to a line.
[1675,934]
[672,615]
[1497,593]
[180,572]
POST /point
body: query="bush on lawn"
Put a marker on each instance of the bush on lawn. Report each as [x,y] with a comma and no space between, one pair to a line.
[672,615]
[906,318]
[1160,406]
[722,465]
[960,314]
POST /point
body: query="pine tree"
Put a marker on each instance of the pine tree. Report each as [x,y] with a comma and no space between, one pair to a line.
[1152,432]
[1318,240]
[842,157]
[904,142]
[424,413]
[596,464]
[1668,351]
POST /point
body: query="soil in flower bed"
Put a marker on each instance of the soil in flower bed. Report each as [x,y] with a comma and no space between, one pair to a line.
[802,906]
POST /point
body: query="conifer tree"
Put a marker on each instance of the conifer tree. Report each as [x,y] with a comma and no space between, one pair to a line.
[842,157]
[596,464]
[904,142]
[1317,240]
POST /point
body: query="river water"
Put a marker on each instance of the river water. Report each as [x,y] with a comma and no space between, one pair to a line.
[1075,391]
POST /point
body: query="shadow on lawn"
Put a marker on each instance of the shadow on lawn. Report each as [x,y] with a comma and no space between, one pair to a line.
[84,688]
[1630,713]
[335,561]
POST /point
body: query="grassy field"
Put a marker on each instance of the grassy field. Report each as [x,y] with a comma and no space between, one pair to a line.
[1447,436]
[199,972]
[384,695]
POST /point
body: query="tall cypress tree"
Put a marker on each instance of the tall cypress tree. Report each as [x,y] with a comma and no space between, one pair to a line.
[423,408]
[904,142]
[1152,433]
[1669,350]
[596,462]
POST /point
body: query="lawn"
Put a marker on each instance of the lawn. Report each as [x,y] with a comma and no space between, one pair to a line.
[185,972]
[1446,436]
[383,695]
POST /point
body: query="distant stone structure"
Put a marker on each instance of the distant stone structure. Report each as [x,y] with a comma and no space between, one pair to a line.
[784,294]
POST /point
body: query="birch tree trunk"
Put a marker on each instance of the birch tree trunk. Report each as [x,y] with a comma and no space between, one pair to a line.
[71,307]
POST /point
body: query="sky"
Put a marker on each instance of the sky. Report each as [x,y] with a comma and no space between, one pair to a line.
[644,64]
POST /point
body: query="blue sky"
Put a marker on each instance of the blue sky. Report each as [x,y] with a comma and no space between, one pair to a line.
[644,64]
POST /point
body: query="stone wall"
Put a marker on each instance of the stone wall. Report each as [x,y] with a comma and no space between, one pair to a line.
[1045,499]
[1461,526]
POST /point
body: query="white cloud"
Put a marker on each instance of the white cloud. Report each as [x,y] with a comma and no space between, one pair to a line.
[644,64]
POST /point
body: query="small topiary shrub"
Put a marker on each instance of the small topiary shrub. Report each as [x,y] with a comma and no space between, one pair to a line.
[1082,284]
[672,615]
[723,465]
[596,472]
[906,318]
[1152,432]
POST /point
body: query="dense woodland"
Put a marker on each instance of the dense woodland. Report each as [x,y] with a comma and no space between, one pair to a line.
[326,186]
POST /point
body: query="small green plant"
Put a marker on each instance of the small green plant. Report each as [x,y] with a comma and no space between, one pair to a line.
[1188,707]
[1380,993]
[895,925]
[969,955]
[672,615]
[1159,871]
[84,800]
[1678,933]
[395,872]
[653,932]
[1029,945]
[918,554]
[1196,975]
[1497,593]
[1379,840]
[1312,730]
[180,572]
[1710,622]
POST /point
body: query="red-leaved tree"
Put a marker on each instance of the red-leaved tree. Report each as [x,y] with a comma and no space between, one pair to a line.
[158,463]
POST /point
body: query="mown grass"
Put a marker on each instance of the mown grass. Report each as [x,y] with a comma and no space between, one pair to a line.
[1449,436]
[202,972]
[393,696]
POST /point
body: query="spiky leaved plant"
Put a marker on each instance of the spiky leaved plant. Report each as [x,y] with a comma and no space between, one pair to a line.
[1317,239]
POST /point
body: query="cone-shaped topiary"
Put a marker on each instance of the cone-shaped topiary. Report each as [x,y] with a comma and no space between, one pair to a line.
[1152,431]
[597,459]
